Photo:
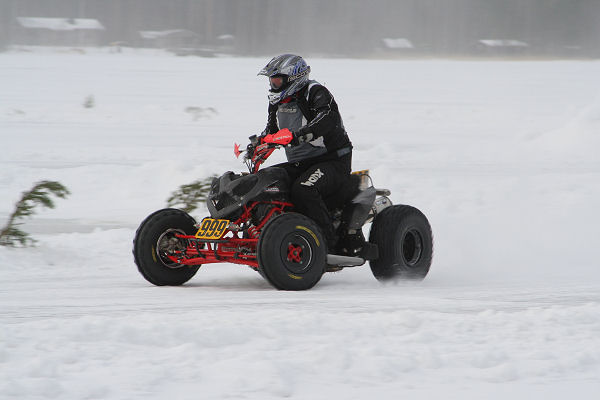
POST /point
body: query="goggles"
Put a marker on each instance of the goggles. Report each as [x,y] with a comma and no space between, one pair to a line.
[276,82]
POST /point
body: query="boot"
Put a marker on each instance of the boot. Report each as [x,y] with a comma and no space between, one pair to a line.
[355,245]
[332,240]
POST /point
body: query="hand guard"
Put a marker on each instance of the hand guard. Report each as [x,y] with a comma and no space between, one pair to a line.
[283,137]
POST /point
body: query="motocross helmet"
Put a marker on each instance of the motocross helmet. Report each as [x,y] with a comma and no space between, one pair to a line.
[287,74]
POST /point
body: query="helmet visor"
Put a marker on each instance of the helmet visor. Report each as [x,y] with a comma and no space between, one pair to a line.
[276,82]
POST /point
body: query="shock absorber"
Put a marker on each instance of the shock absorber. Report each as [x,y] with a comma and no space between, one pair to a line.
[253,232]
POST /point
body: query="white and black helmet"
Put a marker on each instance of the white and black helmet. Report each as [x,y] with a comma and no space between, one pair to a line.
[287,74]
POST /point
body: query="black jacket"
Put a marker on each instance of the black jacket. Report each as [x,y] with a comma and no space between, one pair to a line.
[322,115]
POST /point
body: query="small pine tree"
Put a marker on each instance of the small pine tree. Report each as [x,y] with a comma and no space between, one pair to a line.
[10,235]
[188,196]
[89,102]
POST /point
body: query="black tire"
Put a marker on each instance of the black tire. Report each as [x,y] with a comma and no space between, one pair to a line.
[150,242]
[405,241]
[292,252]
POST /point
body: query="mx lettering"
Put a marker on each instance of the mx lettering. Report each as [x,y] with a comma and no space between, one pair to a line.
[313,178]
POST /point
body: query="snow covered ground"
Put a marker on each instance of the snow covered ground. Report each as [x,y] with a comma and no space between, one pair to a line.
[503,157]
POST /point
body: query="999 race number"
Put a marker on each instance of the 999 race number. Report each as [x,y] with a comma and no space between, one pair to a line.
[212,228]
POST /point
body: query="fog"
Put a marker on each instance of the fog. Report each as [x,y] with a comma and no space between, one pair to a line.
[377,28]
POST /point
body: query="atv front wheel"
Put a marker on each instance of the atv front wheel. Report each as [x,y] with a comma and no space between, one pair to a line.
[155,239]
[405,242]
[292,252]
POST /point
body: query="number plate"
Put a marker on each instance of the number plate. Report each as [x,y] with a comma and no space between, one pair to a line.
[212,228]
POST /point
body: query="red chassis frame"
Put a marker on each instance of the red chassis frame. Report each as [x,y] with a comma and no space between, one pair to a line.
[234,249]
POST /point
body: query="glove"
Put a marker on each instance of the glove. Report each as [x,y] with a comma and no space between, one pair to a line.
[300,137]
[283,136]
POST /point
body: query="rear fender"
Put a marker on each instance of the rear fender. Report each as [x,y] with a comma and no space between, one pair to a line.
[361,207]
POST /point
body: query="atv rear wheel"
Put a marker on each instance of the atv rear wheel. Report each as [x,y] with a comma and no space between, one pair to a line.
[405,242]
[155,239]
[292,252]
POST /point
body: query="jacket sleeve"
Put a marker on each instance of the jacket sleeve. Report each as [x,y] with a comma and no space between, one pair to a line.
[325,120]
[271,121]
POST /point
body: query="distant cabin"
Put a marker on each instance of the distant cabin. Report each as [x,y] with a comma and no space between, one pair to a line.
[181,42]
[171,38]
[44,31]
[502,46]
[397,45]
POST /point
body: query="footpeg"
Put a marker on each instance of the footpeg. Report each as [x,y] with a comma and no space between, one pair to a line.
[369,251]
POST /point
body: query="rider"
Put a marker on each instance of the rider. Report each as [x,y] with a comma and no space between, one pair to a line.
[304,116]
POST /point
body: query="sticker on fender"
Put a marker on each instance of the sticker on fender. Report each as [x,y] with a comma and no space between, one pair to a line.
[212,228]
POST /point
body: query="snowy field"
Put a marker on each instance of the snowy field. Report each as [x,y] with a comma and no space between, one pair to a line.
[503,157]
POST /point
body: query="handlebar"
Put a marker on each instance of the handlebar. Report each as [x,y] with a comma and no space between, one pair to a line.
[256,152]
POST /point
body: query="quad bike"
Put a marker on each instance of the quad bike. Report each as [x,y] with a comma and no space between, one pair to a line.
[252,222]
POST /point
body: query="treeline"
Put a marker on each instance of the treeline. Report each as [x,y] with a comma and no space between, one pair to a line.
[336,26]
